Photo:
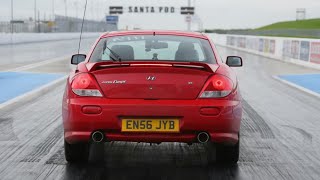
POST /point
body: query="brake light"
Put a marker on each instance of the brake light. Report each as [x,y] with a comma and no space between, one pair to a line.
[85,85]
[217,86]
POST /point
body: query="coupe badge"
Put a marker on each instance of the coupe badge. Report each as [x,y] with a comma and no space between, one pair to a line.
[114,82]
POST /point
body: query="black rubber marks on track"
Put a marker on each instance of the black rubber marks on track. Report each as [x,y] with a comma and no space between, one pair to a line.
[58,157]
[45,146]
[6,130]
[252,121]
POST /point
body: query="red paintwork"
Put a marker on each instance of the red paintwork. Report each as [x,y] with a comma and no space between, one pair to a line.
[219,117]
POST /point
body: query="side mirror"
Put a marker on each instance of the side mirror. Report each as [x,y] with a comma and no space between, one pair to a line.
[234,61]
[78,58]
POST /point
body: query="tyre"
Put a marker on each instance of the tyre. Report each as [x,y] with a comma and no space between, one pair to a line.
[227,154]
[76,152]
[223,154]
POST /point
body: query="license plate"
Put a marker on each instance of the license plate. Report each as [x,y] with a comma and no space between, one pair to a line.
[150,125]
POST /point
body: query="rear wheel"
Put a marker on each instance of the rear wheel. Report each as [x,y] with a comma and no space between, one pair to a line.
[224,154]
[227,154]
[76,152]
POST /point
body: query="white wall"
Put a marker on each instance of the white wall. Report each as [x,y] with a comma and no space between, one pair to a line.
[40,37]
[304,52]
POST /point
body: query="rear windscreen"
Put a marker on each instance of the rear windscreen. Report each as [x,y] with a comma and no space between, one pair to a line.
[153,48]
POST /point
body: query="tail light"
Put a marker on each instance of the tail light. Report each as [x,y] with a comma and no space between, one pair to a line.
[217,86]
[85,85]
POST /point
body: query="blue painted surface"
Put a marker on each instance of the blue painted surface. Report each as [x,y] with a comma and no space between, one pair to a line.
[13,84]
[308,81]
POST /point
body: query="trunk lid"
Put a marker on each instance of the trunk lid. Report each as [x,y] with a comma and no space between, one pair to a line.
[133,81]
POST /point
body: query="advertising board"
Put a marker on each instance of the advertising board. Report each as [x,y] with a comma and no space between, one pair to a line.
[315,52]
[295,49]
[304,50]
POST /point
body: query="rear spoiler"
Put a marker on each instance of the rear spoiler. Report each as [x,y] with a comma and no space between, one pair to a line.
[193,65]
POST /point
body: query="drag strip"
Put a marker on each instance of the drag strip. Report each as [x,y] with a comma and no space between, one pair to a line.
[25,77]
[21,55]
[280,137]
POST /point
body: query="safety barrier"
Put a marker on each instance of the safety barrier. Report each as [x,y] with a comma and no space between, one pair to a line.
[18,38]
[305,52]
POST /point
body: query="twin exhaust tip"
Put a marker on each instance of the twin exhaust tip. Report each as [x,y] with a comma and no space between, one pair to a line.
[97,137]
[203,137]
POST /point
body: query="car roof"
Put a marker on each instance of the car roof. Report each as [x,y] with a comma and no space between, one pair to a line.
[151,32]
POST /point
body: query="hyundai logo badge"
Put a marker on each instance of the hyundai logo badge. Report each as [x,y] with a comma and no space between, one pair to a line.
[151,78]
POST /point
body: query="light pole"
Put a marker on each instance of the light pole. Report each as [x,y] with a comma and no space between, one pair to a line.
[53,10]
[66,8]
[39,28]
[189,22]
[35,15]
[66,15]
[11,23]
[92,9]
[76,5]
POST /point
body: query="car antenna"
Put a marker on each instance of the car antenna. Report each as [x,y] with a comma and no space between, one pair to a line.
[84,15]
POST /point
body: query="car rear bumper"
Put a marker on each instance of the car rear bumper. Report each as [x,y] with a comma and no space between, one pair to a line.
[223,125]
[85,136]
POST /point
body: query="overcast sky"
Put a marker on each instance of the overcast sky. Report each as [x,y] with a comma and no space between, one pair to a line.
[213,13]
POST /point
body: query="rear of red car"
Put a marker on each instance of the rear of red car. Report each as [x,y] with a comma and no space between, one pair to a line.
[153,87]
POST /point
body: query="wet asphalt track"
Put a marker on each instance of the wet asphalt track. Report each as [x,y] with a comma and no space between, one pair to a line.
[13,56]
[279,138]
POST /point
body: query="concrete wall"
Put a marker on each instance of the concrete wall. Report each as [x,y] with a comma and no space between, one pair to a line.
[19,38]
[304,52]
[277,32]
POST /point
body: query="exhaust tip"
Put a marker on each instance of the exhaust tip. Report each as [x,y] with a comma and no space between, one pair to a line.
[203,137]
[97,137]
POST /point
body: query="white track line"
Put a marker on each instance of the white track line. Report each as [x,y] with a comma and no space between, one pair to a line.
[297,87]
[34,65]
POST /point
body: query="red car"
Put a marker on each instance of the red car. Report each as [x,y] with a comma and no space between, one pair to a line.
[153,86]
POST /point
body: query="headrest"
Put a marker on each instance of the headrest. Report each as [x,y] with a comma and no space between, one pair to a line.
[186,45]
[124,51]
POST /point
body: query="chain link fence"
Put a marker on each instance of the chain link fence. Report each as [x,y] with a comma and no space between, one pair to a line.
[24,26]
[60,24]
